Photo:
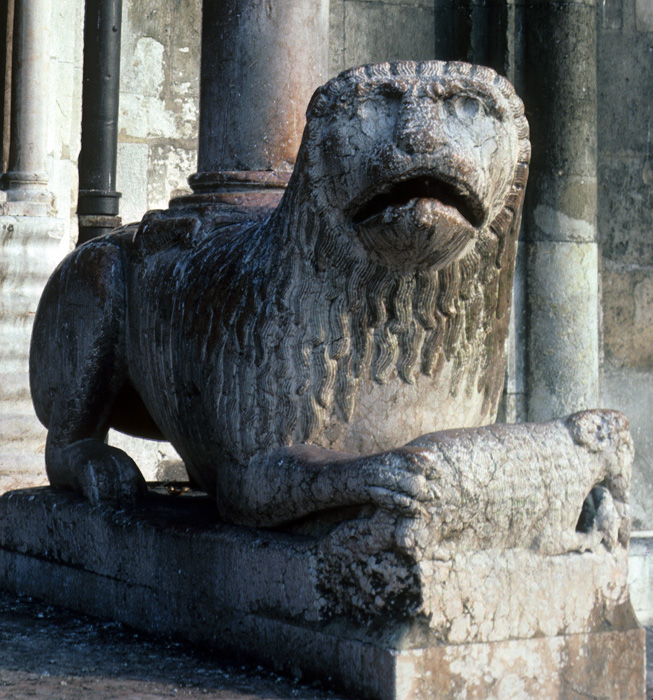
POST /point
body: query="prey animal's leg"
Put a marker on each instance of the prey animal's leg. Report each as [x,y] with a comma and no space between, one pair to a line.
[77,368]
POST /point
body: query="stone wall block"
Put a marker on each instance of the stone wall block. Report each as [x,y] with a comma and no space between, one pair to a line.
[336,37]
[30,248]
[628,316]
[563,341]
[625,209]
[632,391]
[611,14]
[625,67]
[644,15]
[168,169]
[131,180]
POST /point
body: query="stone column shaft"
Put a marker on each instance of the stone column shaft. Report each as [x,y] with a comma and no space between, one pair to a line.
[261,62]
[559,90]
[98,203]
[26,179]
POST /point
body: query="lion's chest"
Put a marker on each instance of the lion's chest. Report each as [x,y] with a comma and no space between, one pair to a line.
[388,415]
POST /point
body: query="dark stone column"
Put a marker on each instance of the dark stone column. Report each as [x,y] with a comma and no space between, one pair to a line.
[6,40]
[559,90]
[98,204]
[547,49]
[261,62]
[481,32]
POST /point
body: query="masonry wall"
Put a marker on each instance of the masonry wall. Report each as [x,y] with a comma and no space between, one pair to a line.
[625,222]
[159,102]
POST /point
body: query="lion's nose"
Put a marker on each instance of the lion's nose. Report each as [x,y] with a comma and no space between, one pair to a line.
[416,131]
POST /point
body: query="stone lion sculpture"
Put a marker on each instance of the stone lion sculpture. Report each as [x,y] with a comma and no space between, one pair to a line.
[278,350]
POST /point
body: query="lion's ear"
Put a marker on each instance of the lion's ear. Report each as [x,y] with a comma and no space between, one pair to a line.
[318,105]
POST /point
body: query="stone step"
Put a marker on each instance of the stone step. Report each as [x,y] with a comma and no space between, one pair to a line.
[20,298]
[14,383]
[19,425]
[16,333]
[171,567]
[21,471]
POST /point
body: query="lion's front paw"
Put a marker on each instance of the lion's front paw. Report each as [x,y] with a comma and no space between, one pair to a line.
[104,473]
[394,481]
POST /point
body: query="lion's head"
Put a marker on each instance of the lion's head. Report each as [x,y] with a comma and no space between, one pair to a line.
[413,161]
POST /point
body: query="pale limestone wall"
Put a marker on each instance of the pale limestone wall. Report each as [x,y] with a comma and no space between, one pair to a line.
[159,102]
[625,222]
[30,248]
[159,99]
[157,151]
[65,113]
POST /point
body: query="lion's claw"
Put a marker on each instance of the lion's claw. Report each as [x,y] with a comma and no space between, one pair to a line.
[103,473]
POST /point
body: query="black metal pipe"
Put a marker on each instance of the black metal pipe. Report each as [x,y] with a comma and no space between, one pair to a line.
[97,205]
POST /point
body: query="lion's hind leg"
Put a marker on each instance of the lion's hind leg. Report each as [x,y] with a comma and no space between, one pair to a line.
[77,368]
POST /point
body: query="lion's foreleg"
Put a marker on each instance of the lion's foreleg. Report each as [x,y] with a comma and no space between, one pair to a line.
[299,481]
[76,370]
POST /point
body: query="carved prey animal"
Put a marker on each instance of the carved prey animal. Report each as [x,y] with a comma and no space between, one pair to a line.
[369,308]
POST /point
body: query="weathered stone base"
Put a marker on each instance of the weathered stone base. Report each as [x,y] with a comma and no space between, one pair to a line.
[168,566]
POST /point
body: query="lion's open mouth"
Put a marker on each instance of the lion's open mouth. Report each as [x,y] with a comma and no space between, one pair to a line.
[424,187]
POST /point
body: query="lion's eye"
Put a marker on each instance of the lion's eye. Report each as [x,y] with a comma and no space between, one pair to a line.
[468,104]
[394,89]
[467,107]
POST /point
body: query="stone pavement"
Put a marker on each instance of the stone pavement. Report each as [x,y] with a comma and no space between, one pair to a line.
[49,653]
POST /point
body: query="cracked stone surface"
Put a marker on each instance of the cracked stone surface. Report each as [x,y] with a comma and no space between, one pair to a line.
[368,308]
[491,532]
[51,653]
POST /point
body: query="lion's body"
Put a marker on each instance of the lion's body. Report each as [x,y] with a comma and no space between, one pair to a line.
[231,340]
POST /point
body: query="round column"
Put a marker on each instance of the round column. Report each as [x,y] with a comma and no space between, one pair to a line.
[26,178]
[98,202]
[560,216]
[261,62]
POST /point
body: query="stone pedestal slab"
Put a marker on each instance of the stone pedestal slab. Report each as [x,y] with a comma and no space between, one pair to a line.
[169,566]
